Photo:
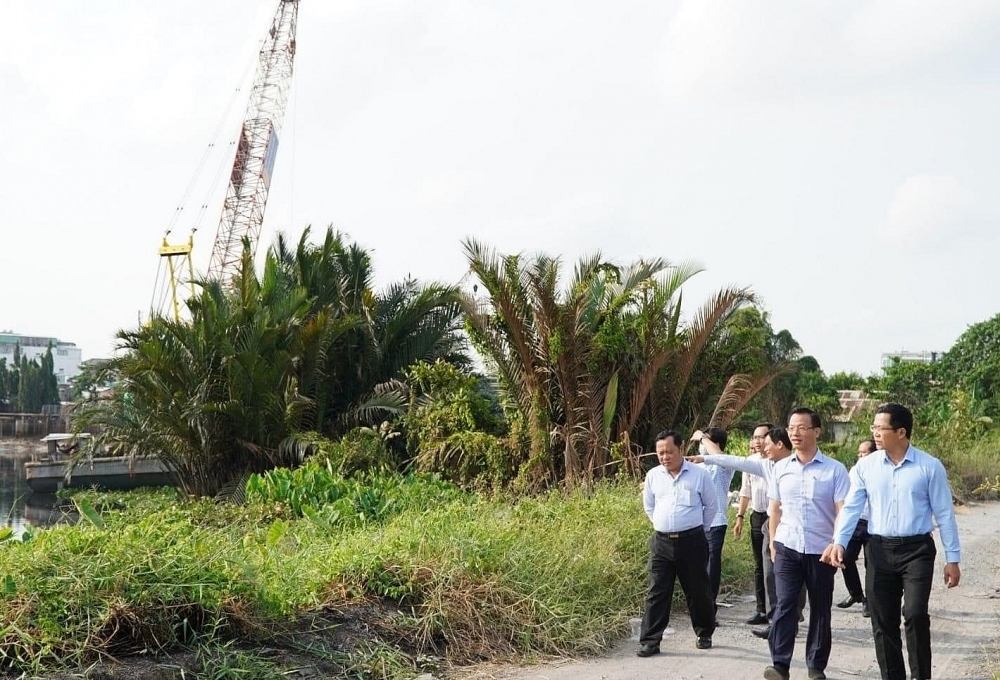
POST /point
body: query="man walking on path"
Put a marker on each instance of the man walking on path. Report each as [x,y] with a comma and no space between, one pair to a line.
[722,479]
[680,501]
[753,494]
[806,493]
[855,593]
[907,492]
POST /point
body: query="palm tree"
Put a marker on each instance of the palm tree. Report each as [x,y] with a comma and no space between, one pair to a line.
[608,358]
[307,345]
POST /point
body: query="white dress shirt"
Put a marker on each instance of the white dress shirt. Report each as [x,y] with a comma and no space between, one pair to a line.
[679,503]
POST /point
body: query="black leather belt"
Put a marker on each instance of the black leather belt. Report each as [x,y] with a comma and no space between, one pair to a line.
[900,540]
[673,535]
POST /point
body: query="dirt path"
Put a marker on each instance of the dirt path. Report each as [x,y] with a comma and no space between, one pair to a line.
[965,629]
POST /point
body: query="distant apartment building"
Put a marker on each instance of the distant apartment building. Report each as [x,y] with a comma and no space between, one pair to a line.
[66,356]
[926,357]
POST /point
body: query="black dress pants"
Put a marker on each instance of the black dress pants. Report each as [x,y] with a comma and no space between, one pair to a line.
[792,570]
[851,577]
[682,557]
[901,569]
[757,520]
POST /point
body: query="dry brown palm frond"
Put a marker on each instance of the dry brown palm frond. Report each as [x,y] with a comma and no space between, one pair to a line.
[740,389]
[699,332]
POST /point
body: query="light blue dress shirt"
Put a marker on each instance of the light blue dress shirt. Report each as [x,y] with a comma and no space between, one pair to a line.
[722,479]
[904,499]
[808,494]
[761,468]
[682,502]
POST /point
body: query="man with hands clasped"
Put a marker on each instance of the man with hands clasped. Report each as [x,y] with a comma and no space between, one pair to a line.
[680,501]
[907,491]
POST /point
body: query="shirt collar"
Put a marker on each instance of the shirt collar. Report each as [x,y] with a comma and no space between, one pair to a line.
[910,455]
[818,458]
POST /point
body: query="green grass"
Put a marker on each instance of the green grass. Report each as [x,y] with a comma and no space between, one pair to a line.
[466,579]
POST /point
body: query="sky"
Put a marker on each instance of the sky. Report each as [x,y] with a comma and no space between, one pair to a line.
[838,158]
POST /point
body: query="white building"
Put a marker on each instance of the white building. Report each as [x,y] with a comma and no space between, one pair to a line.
[66,356]
[902,356]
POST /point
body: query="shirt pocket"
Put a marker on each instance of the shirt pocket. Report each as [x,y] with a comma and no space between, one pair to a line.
[684,498]
[815,488]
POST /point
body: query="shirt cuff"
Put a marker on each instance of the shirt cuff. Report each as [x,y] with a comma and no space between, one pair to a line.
[955,557]
[842,540]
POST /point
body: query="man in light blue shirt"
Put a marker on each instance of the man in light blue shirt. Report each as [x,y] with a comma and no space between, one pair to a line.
[722,479]
[907,491]
[680,501]
[806,492]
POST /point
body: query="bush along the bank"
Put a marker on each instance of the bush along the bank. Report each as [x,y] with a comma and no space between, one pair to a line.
[442,576]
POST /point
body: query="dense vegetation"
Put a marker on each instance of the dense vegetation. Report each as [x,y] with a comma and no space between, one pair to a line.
[580,374]
[461,515]
[437,576]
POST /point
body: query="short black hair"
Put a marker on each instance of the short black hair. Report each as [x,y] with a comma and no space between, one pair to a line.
[874,445]
[805,411]
[717,435]
[899,416]
[780,435]
[769,426]
[676,436]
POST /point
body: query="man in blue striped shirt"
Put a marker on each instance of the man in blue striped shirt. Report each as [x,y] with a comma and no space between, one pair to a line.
[907,491]
[680,501]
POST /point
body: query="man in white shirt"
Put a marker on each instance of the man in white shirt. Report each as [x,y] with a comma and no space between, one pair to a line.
[753,496]
[681,503]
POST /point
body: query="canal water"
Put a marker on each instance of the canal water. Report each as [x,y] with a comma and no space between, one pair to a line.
[19,507]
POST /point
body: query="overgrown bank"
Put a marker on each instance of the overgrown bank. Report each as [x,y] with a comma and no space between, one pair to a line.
[427,577]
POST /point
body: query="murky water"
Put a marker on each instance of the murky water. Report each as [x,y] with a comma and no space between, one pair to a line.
[19,508]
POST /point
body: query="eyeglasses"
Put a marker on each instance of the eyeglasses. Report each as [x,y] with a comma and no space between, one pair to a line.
[800,428]
[882,428]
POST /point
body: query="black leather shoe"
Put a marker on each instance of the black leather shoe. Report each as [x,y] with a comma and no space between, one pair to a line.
[648,650]
[703,643]
[775,673]
[864,609]
[816,674]
[802,617]
[757,619]
[848,602]
[762,633]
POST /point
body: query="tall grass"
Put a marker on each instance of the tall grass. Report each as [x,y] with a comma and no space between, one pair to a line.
[455,577]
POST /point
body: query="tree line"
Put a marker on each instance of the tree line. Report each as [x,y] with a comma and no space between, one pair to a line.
[582,367]
[27,385]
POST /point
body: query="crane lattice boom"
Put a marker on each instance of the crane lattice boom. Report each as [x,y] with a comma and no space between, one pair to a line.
[250,180]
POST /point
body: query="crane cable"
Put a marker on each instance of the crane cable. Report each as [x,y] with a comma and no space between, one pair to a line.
[162,290]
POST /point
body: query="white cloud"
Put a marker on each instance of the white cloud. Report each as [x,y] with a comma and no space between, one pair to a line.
[932,210]
[726,50]
[888,33]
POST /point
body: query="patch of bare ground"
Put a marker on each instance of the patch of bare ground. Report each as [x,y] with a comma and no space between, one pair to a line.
[315,644]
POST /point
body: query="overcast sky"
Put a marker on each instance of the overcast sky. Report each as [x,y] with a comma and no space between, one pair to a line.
[839,158]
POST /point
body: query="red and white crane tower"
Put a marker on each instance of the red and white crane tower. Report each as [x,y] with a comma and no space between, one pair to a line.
[250,180]
[256,149]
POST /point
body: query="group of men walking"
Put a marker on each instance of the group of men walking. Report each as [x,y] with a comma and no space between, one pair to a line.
[809,517]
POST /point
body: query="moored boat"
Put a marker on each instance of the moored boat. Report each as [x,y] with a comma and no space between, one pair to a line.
[48,472]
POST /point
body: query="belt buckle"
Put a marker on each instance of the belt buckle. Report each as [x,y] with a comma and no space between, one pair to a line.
[675,536]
